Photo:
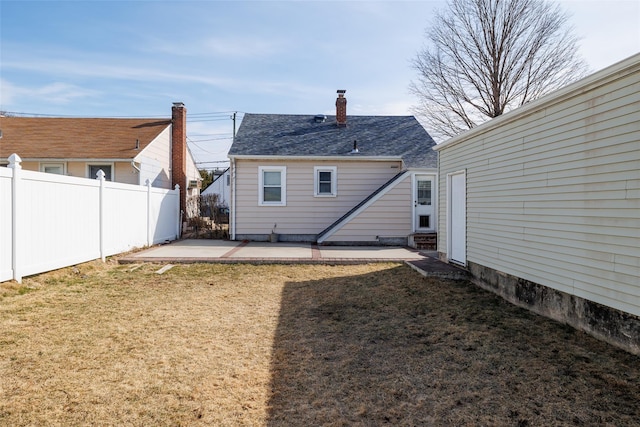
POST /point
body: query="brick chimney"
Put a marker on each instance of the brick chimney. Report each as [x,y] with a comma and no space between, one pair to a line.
[179,150]
[341,109]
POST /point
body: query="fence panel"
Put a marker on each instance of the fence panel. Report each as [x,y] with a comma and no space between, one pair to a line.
[54,221]
[59,221]
[164,209]
[6,232]
[122,230]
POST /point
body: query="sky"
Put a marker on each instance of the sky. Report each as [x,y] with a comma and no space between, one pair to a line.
[135,58]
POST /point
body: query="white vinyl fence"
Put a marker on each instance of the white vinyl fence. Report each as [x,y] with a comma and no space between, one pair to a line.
[52,221]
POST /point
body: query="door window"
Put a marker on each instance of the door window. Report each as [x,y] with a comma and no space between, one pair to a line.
[424,192]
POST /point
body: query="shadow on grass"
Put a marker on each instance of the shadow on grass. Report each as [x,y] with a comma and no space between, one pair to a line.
[395,348]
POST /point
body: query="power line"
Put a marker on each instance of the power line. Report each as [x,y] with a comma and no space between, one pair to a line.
[212,139]
[206,151]
[228,115]
[216,113]
[215,161]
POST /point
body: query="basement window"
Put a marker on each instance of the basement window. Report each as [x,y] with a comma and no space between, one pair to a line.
[325,181]
[57,168]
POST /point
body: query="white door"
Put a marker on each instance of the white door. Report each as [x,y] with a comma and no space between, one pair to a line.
[457,218]
[423,203]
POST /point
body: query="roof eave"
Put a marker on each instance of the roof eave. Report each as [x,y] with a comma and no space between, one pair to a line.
[598,78]
[347,157]
[70,159]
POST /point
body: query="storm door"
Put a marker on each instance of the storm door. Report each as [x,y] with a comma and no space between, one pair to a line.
[423,198]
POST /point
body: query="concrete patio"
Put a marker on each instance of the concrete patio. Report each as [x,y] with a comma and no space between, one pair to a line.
[225,251]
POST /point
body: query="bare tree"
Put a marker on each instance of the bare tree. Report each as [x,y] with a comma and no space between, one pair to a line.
[487,57]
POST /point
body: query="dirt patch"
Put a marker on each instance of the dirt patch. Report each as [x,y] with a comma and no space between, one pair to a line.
[268,345]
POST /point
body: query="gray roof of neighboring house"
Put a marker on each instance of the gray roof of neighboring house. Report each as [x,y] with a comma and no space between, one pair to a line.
[302,136]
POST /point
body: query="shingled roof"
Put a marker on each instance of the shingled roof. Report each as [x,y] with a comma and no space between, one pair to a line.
[77,138]
[288,135]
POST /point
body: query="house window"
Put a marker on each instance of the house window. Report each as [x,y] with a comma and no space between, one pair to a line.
[57,168]
[272,182]
[93,170]
[325,181]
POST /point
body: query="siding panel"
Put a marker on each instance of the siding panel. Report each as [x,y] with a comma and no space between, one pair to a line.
[553,195]
[304,213]
[389,216]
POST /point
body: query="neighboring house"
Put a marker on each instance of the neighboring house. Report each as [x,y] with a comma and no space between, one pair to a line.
[332,180]
[221,186]
[542,205]
[130,151]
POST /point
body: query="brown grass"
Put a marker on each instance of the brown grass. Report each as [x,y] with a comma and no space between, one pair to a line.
[229,345]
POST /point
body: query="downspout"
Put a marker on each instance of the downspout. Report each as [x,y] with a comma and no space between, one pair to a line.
[233,198]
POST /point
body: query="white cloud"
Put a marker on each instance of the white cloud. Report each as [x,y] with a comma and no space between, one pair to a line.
[227,48]
[53,93]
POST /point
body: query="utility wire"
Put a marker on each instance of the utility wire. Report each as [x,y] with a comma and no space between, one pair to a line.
[227,115]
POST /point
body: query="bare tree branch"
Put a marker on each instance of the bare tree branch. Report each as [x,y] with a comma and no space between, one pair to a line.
[487,57]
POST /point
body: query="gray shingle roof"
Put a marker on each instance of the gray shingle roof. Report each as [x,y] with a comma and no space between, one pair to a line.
[302,136]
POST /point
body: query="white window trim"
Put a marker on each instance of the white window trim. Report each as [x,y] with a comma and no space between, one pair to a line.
[283,185]
[316,180]
[63,165]
[113,169]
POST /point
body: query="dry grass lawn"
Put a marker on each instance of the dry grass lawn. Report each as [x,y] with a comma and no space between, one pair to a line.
[234,345]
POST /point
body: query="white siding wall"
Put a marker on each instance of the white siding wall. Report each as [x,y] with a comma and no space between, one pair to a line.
[221,186]
[155,161]
[389,216]
[192,169]
[304,213]
[553,194]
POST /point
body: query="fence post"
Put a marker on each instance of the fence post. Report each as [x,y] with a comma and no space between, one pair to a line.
[178,217]
[100,176]
[149,239]
[14,163]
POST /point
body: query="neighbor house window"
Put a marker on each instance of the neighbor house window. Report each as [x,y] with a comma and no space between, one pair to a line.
[272,182]
[57,168]
[325,181]
[93,170]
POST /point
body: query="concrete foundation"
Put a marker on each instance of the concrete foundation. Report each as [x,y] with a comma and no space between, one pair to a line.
[297,238]
[605,323]
[312,238]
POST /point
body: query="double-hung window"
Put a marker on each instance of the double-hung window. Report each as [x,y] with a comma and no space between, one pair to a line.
[325,181]
[272,183]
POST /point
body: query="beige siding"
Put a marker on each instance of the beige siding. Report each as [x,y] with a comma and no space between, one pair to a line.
[30,166]
[122,171]
[304,213]
[78,169]
[553,193]
[125,173]
[389,216]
